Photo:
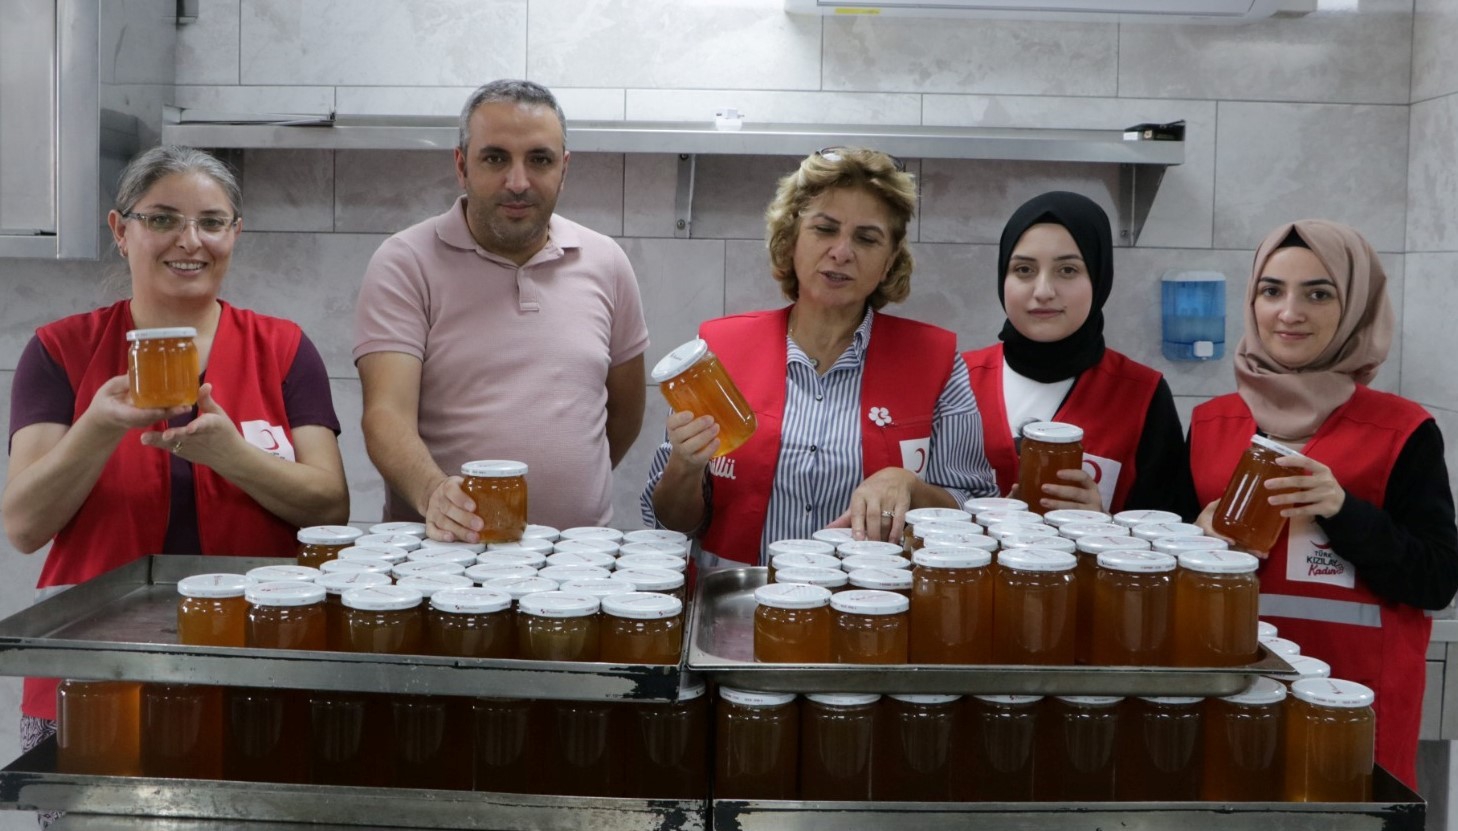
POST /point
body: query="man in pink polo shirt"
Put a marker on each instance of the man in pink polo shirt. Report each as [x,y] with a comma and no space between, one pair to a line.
[499,330]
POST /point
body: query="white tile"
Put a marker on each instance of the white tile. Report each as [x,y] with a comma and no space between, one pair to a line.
[1428,336]
[1280,162]
[366,487]
[387,42]
[1447,421]
[631,473]
[1432,176]
[384,191]
[593,192]
[969,201]
[682,284]
[744,44]
[207,50]
[288,190]
[577,104]
[760,107]
[748,284]
[952,286]
[968,56]
[39,291]
[648,201]
[1434,60]
[581,104]
[257,99]
[1330,56]
[1181,214]
[141,42]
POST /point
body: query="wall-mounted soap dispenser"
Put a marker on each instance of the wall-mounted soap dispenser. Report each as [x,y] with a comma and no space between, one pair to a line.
[1194,315]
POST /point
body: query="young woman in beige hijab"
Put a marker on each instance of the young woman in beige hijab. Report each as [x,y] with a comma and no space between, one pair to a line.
[1371,540]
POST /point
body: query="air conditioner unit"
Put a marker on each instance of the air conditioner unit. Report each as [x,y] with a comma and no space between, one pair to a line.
[1117,11]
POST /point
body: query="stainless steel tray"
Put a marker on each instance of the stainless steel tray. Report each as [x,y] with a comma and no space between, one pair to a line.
[30,783]
[123,625]
[1393,808]
[721,645]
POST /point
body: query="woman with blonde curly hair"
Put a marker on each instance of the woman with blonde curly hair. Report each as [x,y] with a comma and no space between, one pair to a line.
[861,415]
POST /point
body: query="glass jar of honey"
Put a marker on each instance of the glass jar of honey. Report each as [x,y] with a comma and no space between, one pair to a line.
[388,553]
[826,578]
[920,516]
[1308,667]
[413,568]
[506,755]
[1078,530]
[1175,546]
[1133,609]
[1244,514]
[321,543]
[869,627]
[852,548]
[1245,744]
[960,539]
[470,623]
[977,504]
[1034,607]
[657,535]
[834,536]
[566,574]
[285,616]
[1088,550]
[999,516]
[182,731]
[1330,736]
[1154,531]
[792,624]
[1000,738]
[1066,516]
[404,542]
[666,744]
[482,573]
[918,754]
[886,561]
[599,559]
[1037,539]
[414,529]
[429,742]
[1047,447]
[473,547]
[588,545]
[544,533]
[458,556]
[896,580]
[97,728]
[1216,603]
[1002,530]
[660,562]
[335,585]
[779,547]
[1129,519]
[163,367]
[211,610]
[557,626]
[498,487]
[778,562]
[282,574]
[355,566]
[1161,751]
[951,606]
[591,532]
[641,628]
[580,758]
[693,381]
[837,732]
[757,745]
[519,587]
[382,619]
[512,557]
[661,581]
[1075,753]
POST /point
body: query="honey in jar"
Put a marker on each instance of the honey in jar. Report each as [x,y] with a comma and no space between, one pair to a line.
[1161,753]
[667,747]
[182,731]
[336,584]
[1133,609]
[348,738]
[285,616]
[1244,514]
[693,381]
[499,489]
[837,731]
[1076,749]
[98,728]
[319,544]
[792,624]
[869,627]
[505,753]
[757,745]
[661,581]
[264,735]
[557,626]
[1047,447]
[211,610]
[1245,744]
[951,606]
[641,628]
[1001,730]
[580,757]
[1330,735]
[1216,603]
[1088,549]
[382,619]
[163,367]
[470,623]
[1034,606]
[917,751]
[430,742]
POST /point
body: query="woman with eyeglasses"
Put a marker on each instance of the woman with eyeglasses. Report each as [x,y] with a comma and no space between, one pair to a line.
[1055,269]
[861,415]
[106,482]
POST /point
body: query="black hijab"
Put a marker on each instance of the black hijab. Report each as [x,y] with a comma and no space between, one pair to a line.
[1087,223]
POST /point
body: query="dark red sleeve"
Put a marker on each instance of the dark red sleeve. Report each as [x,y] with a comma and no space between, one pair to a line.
[40,392]
[307,398]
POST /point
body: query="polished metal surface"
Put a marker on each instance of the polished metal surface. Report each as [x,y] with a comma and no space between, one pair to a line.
[27,118]
[124,625]
[721,645]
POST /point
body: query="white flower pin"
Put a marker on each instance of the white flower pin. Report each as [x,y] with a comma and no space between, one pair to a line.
[880,415]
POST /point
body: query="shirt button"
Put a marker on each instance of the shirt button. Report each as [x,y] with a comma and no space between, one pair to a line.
[813,448]
[819,396]
[808,508]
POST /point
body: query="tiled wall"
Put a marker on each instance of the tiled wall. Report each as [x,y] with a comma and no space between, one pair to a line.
[1351,115]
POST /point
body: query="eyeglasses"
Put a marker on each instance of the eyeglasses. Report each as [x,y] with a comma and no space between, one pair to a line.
[835,154]
[166,223]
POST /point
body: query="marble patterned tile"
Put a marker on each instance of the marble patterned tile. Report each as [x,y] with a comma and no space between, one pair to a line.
[1279,162]
[311,279]
[593,193]
[207,50]
[1181,214]
[631,473]
[384,191]
[256,99]
[142,44]
[1432,176]
[970,56]
[1434,60]
[748,286]
[682,284]
[746,44]
[1335,56]
[39,291]
[648,202]
[969,201]
[288,190]
[781,107]
[578,104]
[386,42]
[952,287]
[1428,336]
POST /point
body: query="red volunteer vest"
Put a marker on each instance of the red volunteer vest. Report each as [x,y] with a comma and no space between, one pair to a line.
[1383,644]
[1109,401]
[126,514]
[907,365]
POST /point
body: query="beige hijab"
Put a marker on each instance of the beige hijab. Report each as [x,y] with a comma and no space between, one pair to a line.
[1290,403]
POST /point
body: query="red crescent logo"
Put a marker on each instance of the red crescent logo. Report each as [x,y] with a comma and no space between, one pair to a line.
[1093,469]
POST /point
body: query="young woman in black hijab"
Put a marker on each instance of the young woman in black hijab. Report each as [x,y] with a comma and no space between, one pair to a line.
[1056,267]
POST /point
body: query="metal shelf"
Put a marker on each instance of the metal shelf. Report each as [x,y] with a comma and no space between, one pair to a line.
[1141,162]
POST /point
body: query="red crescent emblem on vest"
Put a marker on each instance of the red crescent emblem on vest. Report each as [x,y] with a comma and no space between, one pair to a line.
[1093,469]
[268,431]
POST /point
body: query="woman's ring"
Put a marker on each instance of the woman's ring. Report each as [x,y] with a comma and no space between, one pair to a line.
[177,447]
[888,514]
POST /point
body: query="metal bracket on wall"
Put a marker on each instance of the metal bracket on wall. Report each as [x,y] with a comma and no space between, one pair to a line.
[1138,185]
[683,196]
[187,11]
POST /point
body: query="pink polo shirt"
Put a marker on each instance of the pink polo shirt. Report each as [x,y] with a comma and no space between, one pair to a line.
[514,359]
